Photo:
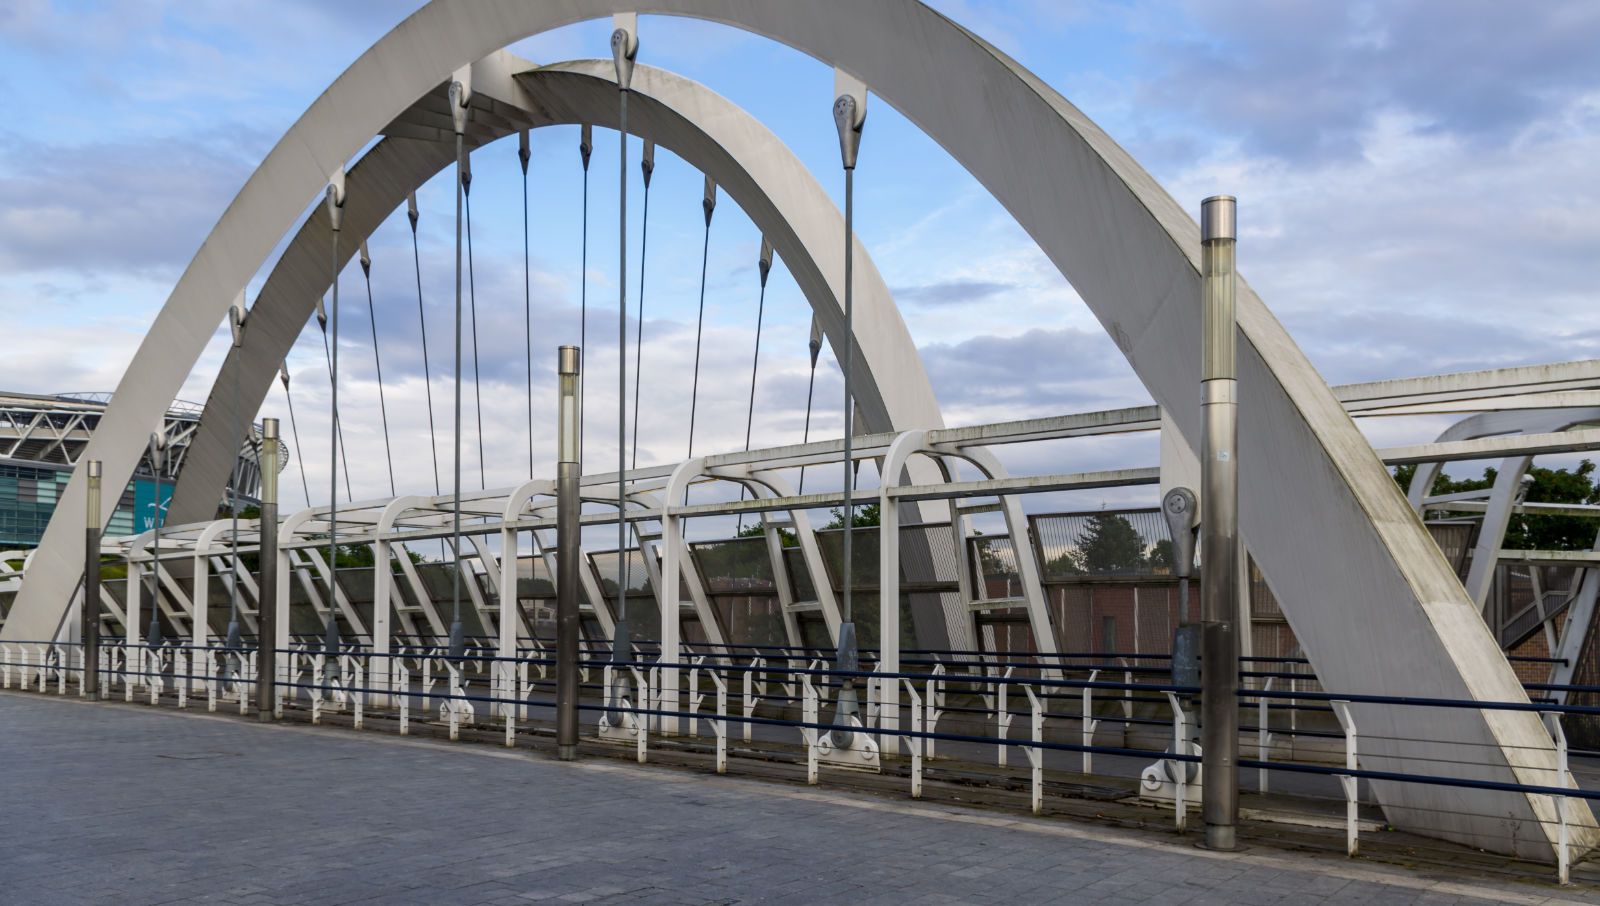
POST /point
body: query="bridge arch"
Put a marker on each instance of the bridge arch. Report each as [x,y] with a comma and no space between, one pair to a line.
[1370,596]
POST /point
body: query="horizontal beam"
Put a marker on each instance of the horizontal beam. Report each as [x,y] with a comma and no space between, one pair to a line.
[1552,558]
[1471,384]
[1494,447]
[1030,484]
[1581,510]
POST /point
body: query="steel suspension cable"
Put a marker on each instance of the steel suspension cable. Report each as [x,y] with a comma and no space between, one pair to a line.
[377,362]
[472,296]
[763,266]
[523,154]
[294,430]
[647,166]
[413,215]
[624,47]
[849,401]
[158,446]
[327,356]
[849,113]
[585,150]
[330,645]
[236,319]
[458,112]
[708,204]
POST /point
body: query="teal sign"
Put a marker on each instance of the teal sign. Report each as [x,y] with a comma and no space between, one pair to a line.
[145,515]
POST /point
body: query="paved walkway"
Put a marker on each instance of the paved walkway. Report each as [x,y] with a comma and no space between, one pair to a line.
[123,804]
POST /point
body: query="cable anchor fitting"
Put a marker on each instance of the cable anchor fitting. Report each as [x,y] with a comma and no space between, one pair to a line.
[849,114]
[236,318]
[709,202]
[764,263]
[625,47]
[334,196]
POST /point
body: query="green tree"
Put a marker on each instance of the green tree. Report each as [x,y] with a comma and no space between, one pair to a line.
[756,530]
[866,516]
[1162,559]
[1110,543]
[1533,532]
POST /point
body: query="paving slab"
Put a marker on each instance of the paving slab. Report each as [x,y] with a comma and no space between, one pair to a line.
[128,804]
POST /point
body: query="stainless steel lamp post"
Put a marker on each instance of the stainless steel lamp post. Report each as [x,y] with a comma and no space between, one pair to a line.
[1219,526]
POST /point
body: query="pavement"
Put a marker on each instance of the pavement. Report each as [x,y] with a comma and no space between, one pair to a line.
[127,804]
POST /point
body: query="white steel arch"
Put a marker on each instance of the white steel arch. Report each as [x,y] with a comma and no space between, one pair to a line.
[755,169]
[1370,596]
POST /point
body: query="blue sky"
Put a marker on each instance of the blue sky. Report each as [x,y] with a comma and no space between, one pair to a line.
[1417,180]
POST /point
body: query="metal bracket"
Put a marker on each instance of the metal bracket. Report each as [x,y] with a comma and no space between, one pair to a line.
[849,114]
[236,318]
[335,199]
[624,46]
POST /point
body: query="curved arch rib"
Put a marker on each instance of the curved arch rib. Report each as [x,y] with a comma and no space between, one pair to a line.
[1371,598]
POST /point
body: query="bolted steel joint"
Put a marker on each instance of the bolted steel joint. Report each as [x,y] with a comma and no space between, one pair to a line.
[647,161]
[283,374]
[523,151]
[708,204]
[366,260]
[412,214]
[764,263]
[586,144]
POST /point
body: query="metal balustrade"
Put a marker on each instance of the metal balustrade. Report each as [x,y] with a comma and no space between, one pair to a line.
[729,690]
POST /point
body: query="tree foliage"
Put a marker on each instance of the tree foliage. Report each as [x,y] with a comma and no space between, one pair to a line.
[1533,532]
[1110,544]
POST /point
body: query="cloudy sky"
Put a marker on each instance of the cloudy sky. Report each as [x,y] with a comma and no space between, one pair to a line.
[1418,185]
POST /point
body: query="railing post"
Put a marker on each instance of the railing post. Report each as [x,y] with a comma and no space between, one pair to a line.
[400,679]
[1087,723]
[808,715]
[1350,782]
[1563,852]
[1002,717]
[721,726]
[915,742]
[1180,769]
[1263,732]
[1035,754]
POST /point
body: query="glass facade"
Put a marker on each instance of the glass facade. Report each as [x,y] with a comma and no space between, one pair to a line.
[28,495]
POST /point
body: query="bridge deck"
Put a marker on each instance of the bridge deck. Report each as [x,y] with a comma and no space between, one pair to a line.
[116,803]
